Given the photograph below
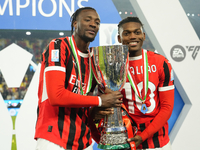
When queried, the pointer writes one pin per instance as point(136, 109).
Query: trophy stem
point(114, 133)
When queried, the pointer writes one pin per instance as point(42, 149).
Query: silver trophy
point(110, 69)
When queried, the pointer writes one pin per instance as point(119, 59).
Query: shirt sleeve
point(55, 75)
point(59, 96)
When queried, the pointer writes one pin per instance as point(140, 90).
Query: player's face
point(87, 25)
point(132, 34)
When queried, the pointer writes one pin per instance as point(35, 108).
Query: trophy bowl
point(109, 64)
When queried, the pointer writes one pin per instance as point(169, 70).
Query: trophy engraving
point(110, 69)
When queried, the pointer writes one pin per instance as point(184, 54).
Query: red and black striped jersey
point(62, 110)
point(152, 126)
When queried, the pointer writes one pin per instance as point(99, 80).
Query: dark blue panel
point(178, 106)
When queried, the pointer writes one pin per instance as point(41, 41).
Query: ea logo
point(178, 53)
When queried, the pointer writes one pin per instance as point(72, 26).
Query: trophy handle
point(97, 71)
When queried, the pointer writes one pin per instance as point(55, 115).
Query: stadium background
point(34, 33)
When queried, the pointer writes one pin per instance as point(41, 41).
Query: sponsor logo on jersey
point(76, 84)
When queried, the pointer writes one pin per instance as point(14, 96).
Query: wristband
point(100, 101)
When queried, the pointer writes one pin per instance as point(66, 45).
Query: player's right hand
point(111, 99)
point(137, 139)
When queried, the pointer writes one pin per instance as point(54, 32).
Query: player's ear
point(144, 36)
point(119, 39)
point(75, 24)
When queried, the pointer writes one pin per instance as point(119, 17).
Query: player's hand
point(100, 112)
point(111, 99)
point(107, 90)
point(137, 139)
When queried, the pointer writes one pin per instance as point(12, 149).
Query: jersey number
point(128, 92)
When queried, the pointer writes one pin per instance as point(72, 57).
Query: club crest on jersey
point(55, 55)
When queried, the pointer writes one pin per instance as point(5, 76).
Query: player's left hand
point(137, 139)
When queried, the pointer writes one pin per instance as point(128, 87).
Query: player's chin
point(89, 38)
point(132, 48)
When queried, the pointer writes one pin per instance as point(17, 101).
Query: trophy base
point(114, 138)
point(121, 146)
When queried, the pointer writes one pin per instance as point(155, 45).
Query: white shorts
point(166, 147)
point(43, 144)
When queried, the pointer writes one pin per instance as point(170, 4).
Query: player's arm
point(55, 57)
point(55, 74)
point(166, 97)
point(166, 107)
point(59, 96)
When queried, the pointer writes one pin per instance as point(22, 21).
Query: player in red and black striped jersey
point(149, 89)
point(65, 82)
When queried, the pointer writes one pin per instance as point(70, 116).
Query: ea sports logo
point(178, 53)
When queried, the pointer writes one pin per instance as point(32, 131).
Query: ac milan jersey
point(152, 126)
point(62, 111)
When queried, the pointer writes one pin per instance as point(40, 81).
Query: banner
point(50, 14)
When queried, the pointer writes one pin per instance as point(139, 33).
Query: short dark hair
point(75, 14)
point(129, 19)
